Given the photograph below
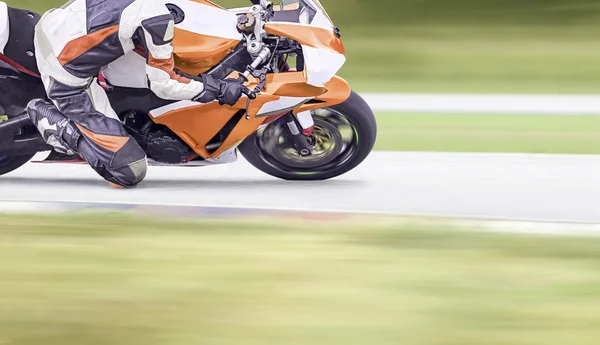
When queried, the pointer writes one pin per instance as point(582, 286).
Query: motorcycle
point(297, 119)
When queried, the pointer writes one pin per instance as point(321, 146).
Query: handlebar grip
point(246, 91)
point(242, 78)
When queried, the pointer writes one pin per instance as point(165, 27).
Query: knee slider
point(129, 164)
point(139, 170)
point(131, 175)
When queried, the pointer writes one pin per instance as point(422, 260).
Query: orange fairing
point(291, 84)
point(239, 133)
point(196, 54)
point(307, 35)
point(288, 7)
point(198, 124)
point(338, 91)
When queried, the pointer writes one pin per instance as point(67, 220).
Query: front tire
point(343, 137)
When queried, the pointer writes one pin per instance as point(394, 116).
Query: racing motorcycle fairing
point(323, 52)
point(205, 39)
point(211, 129)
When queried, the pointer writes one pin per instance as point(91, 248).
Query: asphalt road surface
point(553, 188)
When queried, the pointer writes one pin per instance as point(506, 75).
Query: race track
point(553, 188)
point(485, 103)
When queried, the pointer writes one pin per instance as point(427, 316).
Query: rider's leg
point(94, 131)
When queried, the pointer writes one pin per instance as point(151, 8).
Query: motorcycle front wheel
point(343, 136)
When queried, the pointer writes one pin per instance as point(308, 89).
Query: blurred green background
point(539, 46)
point(121, 280)
point(468, 46)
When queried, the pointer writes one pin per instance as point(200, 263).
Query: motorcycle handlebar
point(262, 56)
point(246, 91)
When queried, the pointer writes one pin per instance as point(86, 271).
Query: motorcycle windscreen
point(308, 12)
point(307, 22)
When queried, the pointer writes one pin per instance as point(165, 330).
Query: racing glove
point(227, 91)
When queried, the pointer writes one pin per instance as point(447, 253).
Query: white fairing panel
point(281, 104)
point(321, 64)
point(172, 106)
point(207, 20)
point(321, 21)
point(4, 26)
point(127, 71)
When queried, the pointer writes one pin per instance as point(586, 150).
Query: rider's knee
point(132, 164)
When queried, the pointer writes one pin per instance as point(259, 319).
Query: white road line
point(485, 103)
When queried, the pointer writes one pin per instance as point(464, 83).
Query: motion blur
point(483, 245)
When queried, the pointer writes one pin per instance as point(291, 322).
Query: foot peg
point(14, 124)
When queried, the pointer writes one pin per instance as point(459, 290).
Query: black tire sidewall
point(355, 109)
point(13, 163)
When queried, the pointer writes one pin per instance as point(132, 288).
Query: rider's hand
point(227, 91)
point(231, 91)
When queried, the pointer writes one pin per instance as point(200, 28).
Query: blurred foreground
point(118, 279)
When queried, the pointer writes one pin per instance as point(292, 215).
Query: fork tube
point(300, 141)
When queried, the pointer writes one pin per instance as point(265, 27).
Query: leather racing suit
point(73, 44)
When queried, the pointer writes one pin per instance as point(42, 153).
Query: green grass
point(119, 280)
point(489, 133)
point(460, 59)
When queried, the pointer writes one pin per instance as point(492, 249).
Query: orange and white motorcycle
point(297, 121)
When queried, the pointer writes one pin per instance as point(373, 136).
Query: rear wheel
point(9, 163)
point(343, 136)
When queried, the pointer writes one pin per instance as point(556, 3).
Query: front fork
point(300, 128)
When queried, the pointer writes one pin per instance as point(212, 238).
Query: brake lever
point(262, 75)
point(246, 91)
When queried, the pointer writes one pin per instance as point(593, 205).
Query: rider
point(72, 44)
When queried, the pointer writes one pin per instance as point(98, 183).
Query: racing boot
point(56, 129)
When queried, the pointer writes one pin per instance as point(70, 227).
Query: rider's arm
point(156, 32)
